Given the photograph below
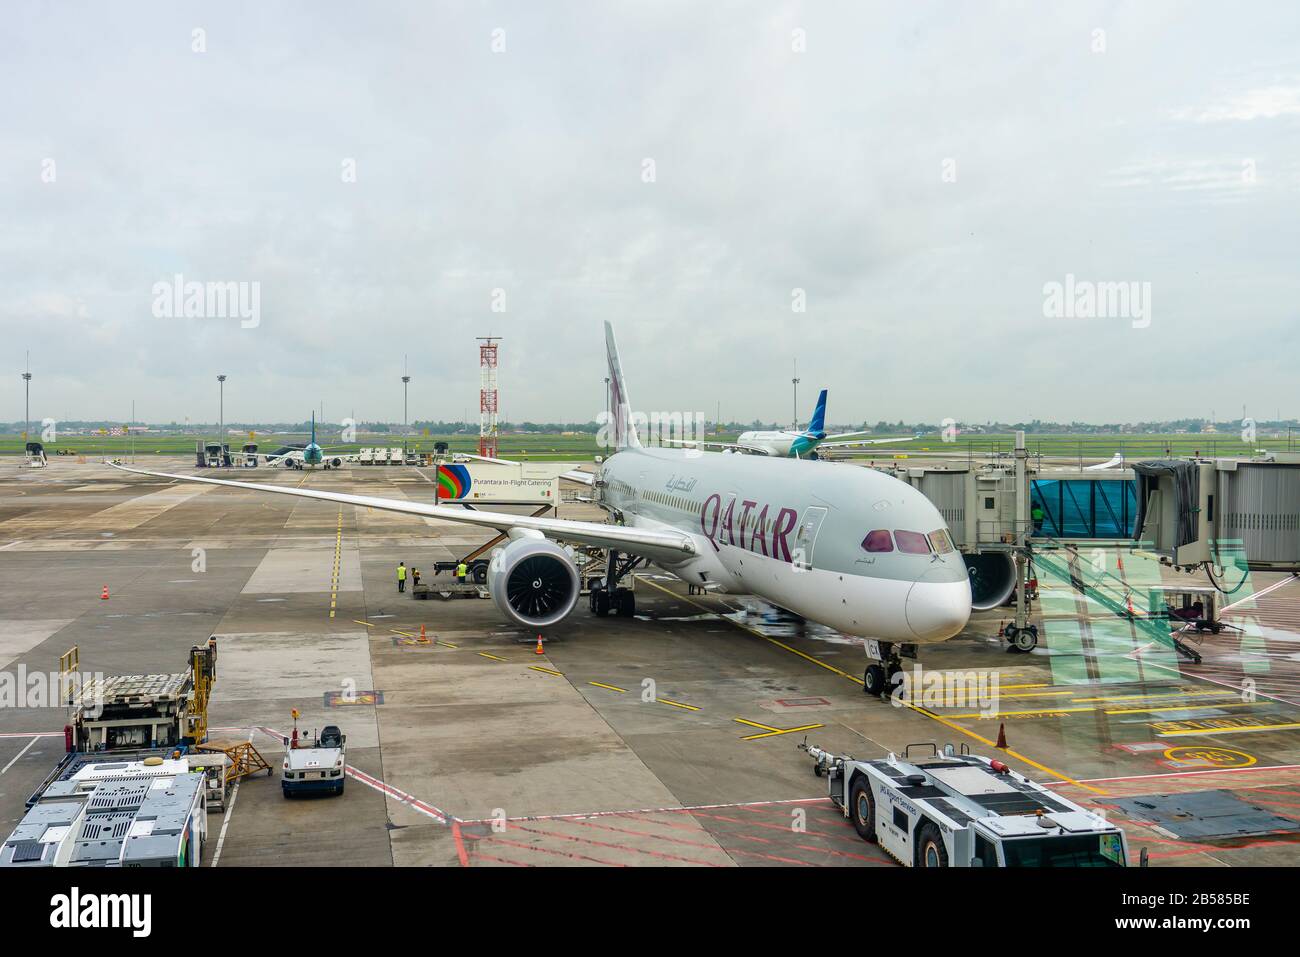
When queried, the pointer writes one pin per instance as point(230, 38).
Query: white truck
point(962, 810)
point(320, 767)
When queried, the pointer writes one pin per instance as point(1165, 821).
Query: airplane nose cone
point(938, 610)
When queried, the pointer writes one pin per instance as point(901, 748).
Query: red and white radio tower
point(487, 396)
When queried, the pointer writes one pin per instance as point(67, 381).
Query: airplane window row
point(909, 543)
point(749, 521)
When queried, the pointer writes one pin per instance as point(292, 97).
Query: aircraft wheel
point(873, 680)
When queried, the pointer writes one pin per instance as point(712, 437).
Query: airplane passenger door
point(806, 540)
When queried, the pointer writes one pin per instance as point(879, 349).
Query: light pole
point(406, 383)
point(27, 402)
point(221, 420)
point(795, 380)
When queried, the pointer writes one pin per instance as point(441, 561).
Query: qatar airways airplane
point(847, 547)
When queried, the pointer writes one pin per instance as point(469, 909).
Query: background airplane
point(310, 455)
point(791, 443)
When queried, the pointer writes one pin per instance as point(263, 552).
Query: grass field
point(583, 447)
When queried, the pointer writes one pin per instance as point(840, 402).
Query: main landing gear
point(881, 676)
point(608, 596)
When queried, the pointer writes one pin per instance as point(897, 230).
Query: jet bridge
point(1228, 515)
point(1221, 511)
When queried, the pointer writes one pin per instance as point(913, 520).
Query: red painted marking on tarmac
point(775, 827)
point(402, 796)
point(460, 845)
point(801, 702)
point(1212, 848)
point(728, 851)
point(829, 850)
point(685, 809)
point(1180, 774)
point(373, 782)
point(617, 847)
point(502, 860)
point(543, 850)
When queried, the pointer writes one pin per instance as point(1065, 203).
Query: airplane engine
point(992, 579)
point(336, 463)
point(533, 581)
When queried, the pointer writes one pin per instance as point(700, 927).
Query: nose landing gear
point(1021, 639)
point(881, 676)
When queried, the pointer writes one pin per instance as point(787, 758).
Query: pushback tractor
point(962, 810)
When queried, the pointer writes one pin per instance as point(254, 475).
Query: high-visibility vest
point(401, 573)
point(461, 569)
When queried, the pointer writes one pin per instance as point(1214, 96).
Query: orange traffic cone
point(1002, 628)
point(1002, 736)
point(539, 646)
point(422, 638)
point(104, 594)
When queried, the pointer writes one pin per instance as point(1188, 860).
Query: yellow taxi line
point(944, 721)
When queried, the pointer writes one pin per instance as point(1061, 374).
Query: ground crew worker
point(1036, 516)
point(401, 576)
point(461, 572)
point(415, 575)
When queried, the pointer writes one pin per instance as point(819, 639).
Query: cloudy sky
point(391, 174)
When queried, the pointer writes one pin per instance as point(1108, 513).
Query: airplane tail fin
point(818, 422)
point(313, 426)
point(622, 427)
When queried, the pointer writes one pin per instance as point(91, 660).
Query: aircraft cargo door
point(806, 540)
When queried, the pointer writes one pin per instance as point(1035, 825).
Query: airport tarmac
point(666, 739)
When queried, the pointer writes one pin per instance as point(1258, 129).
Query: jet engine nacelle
point(533, 581)
point(336, 463)
point(992, 579)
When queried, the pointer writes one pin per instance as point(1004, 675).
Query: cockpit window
point(912, 543)
point(878, 541)
point(941, 541)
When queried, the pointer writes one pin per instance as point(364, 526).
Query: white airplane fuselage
point(793, 533)
point(779, 444)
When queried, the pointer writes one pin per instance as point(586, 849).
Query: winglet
point(620, 406)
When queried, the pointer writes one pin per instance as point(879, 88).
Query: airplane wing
point(705, 443)
point(655, 545)
point(586, 478)
point(846, 435)
point(835, 445)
